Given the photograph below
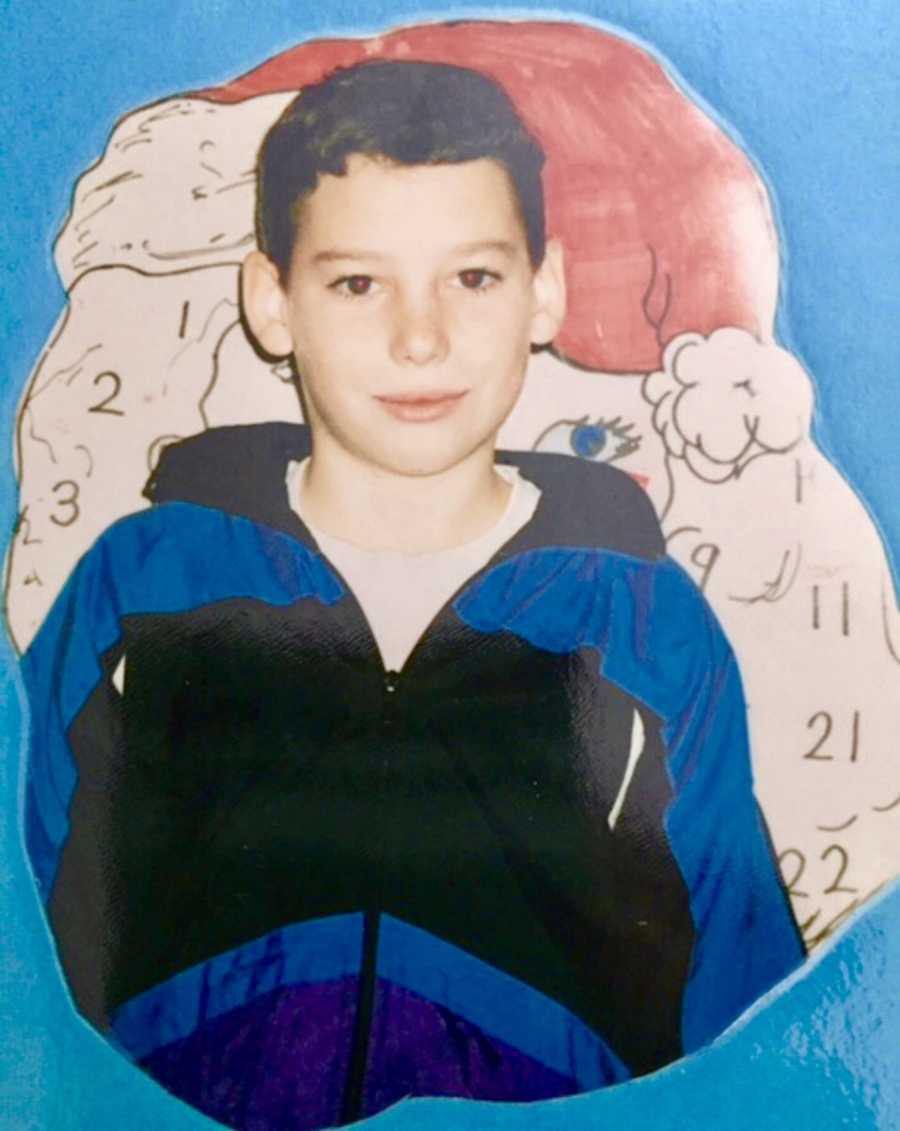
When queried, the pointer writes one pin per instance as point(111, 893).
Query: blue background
point(812, 88)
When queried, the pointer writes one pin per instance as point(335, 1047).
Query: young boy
point(393, 765)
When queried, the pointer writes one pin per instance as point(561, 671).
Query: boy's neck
point(376, 509)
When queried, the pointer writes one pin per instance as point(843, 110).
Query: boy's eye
point(477, 278)
point(353, 285)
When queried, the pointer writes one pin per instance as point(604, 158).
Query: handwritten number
point(23, 524)
point(103, 406)
point(791, 883)
point(824, 719)
point(844, 861)
point(807, 924)
point(711, 553)
point(793, 875)
point(823, 738)
point(67, 502)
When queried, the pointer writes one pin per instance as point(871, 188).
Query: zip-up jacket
point(295, 887)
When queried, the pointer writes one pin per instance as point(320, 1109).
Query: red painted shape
point(665, 223)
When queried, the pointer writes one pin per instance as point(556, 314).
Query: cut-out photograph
point(453, 668)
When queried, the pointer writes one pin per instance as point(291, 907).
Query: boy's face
point(410, 310)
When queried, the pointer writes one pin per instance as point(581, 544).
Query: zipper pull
point(389, 704)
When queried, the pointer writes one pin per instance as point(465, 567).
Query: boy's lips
point(419, 407)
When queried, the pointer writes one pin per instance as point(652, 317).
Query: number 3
point(67, 502)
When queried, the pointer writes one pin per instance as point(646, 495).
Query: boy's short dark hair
point(408, 113)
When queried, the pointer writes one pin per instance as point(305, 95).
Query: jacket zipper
point(352, 1102)
point(351, 1109)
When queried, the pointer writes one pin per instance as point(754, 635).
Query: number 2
point(103, 406)
point(844, 861)
point(798, 872)
point(823, 738)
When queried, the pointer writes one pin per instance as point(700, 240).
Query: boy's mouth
point(421, 407)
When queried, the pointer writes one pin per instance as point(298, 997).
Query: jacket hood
point(240, 469)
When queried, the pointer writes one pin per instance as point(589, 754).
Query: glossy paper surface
point(811, 101)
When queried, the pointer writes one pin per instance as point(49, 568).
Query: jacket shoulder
point(590, 504)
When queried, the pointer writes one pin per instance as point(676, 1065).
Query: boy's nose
point(419, 336)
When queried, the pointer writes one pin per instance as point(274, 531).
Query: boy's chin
point(417, 467)
point(427, 457)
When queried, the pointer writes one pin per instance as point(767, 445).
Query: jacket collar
point(241, 470)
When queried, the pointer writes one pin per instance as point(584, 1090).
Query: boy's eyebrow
point(333, 255)
point(505, 247)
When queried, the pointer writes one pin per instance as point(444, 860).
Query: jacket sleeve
point(664, 644)
point(67, 676)
point(62, 668)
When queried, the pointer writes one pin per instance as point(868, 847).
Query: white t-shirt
point(401, 593)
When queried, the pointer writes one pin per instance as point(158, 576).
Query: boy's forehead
point(378, 203)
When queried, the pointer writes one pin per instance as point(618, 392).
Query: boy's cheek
point(495, 336)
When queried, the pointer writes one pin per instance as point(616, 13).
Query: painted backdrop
point(805, 112)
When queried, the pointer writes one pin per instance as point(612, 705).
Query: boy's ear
point(265, 304)
point(549, 295)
